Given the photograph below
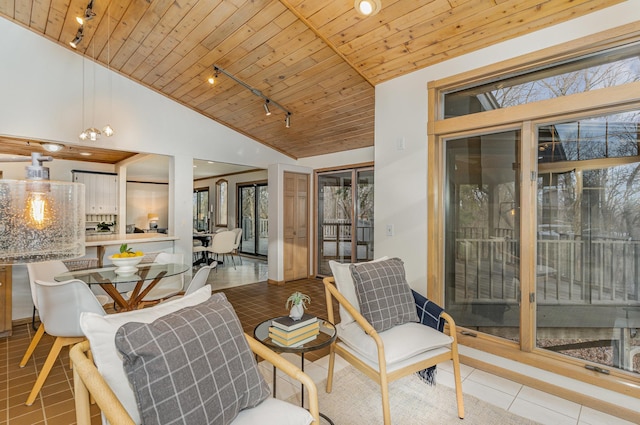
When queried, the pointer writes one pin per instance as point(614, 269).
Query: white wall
point(41, 86)
point(401, 115)
point(145, 198)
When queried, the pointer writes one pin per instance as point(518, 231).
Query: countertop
point(111, 239)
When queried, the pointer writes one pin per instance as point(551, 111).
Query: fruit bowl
point(126, 265)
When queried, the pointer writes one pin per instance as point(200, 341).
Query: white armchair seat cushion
point(400, 342)
point(274, 412)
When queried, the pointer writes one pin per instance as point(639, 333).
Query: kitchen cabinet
point(101, 192)
point(5, 300)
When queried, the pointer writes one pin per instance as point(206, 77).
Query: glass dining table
point(108, 279)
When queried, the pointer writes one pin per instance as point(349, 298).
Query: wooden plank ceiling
point(318, 59)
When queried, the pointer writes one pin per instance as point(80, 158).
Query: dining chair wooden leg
point(32, 345)
point(48, 365)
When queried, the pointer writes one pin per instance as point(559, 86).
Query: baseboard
point(275, 282)
point(23, 321)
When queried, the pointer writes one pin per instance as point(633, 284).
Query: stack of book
point(287, 332)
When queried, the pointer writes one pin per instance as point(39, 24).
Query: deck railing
point(568, 271)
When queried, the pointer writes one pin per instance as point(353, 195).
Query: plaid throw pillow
point(193, 366)
point(383, 293)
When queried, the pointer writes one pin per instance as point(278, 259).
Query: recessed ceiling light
point(367, 7)
point(85, 153)
point(52, 147)
point(210, 162)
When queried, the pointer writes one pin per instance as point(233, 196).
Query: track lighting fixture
point(74, 43)
point(255, 91)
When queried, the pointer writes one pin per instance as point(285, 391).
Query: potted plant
point(297, 302)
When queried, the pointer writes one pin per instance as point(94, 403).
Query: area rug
point(355, 400)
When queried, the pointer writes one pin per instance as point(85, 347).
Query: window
point(610, 68)
point(222, 187)
point(533, 244)
point(201, 209)
point(345, 226)
point(253, 218)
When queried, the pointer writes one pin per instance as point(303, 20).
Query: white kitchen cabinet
point(101, 192)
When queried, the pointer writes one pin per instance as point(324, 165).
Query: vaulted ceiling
point(319, 59)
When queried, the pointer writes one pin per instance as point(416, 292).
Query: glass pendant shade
point(108, 131)
point(41, 220)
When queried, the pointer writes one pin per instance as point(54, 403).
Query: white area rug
point(355, 400)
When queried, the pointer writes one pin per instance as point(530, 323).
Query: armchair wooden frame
point(381, 376)
point(90, 385)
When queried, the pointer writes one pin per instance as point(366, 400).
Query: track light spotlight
point(74, 43)
point(287, 120)
point(89, 14)
point(266, 107)
point(212, 80)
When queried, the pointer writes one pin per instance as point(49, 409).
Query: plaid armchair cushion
point(193, 366)
point(383, 293)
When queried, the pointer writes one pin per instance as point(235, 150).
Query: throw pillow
point(193, 366)
point(344, 282)
point(100, 330)
point(383, 293)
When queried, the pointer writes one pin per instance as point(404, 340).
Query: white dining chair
point(45, 271)
point(236, 243)
point(60, 305)
point(222, 244)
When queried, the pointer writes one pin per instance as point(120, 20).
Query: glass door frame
point(256, 223)
point(354, 170)
point(526, 350)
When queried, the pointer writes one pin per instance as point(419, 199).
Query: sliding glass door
point(253, 218)
point(588, 261)
point(482, 259)
point(344, 226)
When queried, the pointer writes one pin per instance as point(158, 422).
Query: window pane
point(588, 279)
point(482, 259)
point(334, 219)
point(364, 226)
point(221, 202)
point(611, 136)
point(201, 209)
point(606, 69)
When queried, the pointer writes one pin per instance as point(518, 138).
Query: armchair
point(388, 355)
point(142, 375)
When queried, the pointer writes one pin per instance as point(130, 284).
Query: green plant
point(125, 248)
point(298, 298)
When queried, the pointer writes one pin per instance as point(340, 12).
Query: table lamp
point(40, 220)
point(153, 220)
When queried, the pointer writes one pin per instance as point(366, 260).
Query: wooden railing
point(568, 271)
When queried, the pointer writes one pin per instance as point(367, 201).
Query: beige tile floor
point(254, 303)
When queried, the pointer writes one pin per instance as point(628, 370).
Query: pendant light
point(41, 219)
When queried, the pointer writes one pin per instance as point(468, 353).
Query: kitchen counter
point(117, 239)
point(103, 241)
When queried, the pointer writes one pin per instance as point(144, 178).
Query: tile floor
point(254, 303)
